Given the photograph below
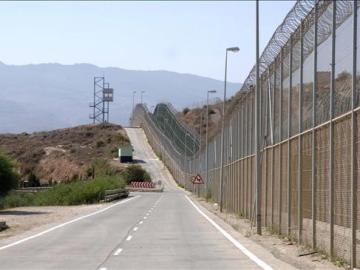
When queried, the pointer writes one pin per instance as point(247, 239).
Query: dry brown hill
point(63, 154)
point(195, 118)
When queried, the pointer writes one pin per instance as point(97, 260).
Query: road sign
point(197, 179)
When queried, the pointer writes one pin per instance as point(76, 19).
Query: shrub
point(79, 192)
point(8, 174)
point(185, 111)
point(101, 167)
point(136, 173)
point(100, 144)
point(33, 180)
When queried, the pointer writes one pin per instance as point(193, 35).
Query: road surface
point(147, 231)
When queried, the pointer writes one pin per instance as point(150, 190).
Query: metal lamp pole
point(133, 106)
point(185, 165)
point(141, 96)
point(234, 50)
point(207, 138)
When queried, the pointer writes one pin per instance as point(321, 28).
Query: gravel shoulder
point(281, 248)
point(25, 221)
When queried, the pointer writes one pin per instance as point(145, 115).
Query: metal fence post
point(300, 225)
point(280, 137)
point(313, 144)
point(289, 135)
point(257, 133)
point(353, 144)
point(273, 150)
point(331, 133)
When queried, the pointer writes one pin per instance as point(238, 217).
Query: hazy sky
point(187, 37)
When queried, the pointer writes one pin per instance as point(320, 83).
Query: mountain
point(48, 96)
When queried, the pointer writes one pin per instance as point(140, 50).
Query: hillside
point(51, 96)
point(63, 154)
point(196, 117)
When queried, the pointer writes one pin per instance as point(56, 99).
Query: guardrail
point(32, 189)
point(115, 194)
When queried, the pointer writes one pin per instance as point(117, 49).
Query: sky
point(185, 37)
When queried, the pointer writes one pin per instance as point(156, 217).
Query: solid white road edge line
point(236, 243)
point(66, 223)
point(118, 251)
point(129, 238)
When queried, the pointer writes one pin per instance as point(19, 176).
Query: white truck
point(126, 153)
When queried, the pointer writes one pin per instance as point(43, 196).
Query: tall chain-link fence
point(309, 119)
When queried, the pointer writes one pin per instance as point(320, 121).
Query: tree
point(136, 173)
point(8, 174)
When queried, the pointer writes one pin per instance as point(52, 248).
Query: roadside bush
point(101, 167)
point(185, 111)
point(100, 144)
point(33, 180)
point(80, 192)
point(74, 193)
point(8, 174)
point(136, 173)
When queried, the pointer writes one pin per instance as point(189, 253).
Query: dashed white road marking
point(129, 238)
point(236, 243)
point(118, 251)
point(135, 229)
point(67, 223)
point(141, 222)
point(147, 214)
point(145, 217)
point(102, 268)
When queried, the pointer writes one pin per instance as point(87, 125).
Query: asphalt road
point(147, 231)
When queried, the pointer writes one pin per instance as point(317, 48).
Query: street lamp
point(141, 96)
point(133, 106)
point(234, 50)
point(207, 138)
point(185, 165)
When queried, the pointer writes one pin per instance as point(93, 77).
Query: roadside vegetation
point(136, 173)
point(102, 177)
point(8, 174)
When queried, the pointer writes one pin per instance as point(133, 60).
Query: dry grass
point(64, 154)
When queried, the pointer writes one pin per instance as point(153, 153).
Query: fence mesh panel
point(285, 139)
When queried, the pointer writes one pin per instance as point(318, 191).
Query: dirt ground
point(281, 248)
point(29, 219)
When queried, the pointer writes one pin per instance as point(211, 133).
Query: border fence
point(309, 126)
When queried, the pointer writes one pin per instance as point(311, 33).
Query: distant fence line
point(310, 122)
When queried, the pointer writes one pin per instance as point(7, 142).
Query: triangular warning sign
point(197, 179)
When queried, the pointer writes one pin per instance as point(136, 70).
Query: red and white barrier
point(136, 184)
